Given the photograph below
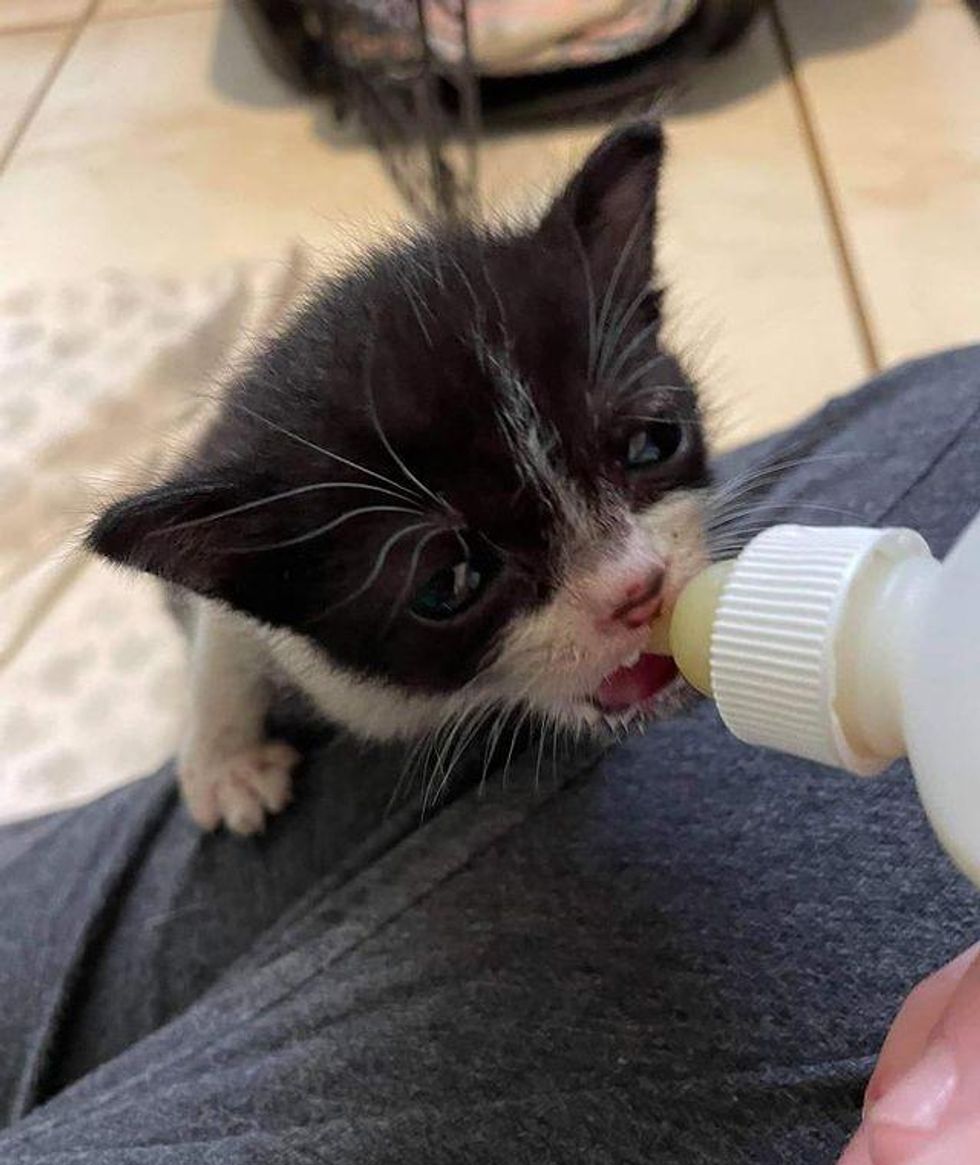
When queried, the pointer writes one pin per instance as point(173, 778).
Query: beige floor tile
point(107, 666)
point(25, 60)
point(756, 290)
point(23, 14)
point(111, 8)
point(899, 124)
point(166, 145)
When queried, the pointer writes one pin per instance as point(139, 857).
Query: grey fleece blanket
point(673, 950)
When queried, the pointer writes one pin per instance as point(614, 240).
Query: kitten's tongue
point(627, 686)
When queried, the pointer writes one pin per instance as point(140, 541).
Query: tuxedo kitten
point(453, 492)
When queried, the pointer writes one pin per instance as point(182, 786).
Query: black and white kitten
point(457, 487)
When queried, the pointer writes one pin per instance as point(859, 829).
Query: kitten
point(459, 485)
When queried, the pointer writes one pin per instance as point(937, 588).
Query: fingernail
point(918, 1099)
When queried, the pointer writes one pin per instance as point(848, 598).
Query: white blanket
point(99, 384)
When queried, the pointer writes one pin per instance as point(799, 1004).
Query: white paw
point(239, 790)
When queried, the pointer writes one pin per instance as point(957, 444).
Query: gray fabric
point(677, 950)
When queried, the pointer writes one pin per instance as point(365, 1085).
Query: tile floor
point(821, 207)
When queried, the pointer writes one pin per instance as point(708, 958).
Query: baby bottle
point(852, 647)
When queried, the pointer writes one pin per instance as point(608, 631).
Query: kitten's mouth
point(635, 686)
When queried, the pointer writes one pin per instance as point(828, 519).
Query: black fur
point(400, 350)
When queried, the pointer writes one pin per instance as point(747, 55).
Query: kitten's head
point(466, 476)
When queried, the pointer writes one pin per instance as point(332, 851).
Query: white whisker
point(376, 422)
point(688, 421)
point(730, 517)
point(412, 570)
point(640, 340)
point(464, 741)
point(611, 339)
point(590, 302)
point(556, 728)
point(493, 737)
point(414, 299)
point(280, 497)
point(608, 300)
point(467, 283)
point(379, 564)
point(643, 370)
point(513, 743)
point(537, 766)
point(311, 534)
point(320, 449)
point(749, 479)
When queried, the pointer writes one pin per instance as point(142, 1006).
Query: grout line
point(828, 195)
point(53, 25)
point(71, 569)
point(37, 99)
point(173, 8)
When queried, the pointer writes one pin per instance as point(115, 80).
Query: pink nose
point(641, 599)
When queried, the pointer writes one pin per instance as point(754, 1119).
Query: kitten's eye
point(453, 589)
point(652, 445)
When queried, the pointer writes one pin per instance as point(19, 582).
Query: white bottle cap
point(773, 645)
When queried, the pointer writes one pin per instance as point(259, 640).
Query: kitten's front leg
point(228, 771)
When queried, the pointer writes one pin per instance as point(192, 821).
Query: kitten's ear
point(184, 531)
point(611, 205)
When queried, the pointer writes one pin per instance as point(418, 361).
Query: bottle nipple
point(801, 641)
point(685, 633)
point(848, 646)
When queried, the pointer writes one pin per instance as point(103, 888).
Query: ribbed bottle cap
point(773, 667)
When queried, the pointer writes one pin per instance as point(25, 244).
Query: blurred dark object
point(292, 38)
point(421, 96)
point(422, 111)
point(722, 22)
